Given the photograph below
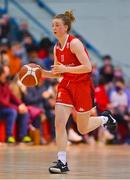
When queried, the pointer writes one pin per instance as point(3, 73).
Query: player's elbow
point(88, 68)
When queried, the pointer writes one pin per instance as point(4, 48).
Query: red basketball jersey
point(66, 57)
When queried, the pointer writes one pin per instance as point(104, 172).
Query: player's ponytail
point(69, 14)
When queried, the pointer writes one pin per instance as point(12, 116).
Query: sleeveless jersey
point(66, 57)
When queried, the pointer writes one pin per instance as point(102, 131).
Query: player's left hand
point(59, 68)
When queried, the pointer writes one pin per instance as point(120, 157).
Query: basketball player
point(71, 60)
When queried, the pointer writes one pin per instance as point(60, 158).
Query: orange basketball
point(30, 74)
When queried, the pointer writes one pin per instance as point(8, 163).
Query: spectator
point(107, 69)
point(118, 73)
point(15, 62)
point(95, 74)
point(119, 102)
point(32, 55)
point(118, 96)
point(11, 108)
point(127, 90)
point(36, 114)
point(44, 48)
point(23, 31)
point(5, 27)
point(101, 96)
point(4, 47)
point(34, 97)
point(48, 61)
point(27, 42)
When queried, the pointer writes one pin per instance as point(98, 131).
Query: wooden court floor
point(85, 162)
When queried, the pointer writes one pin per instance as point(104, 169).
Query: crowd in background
point(27, 109)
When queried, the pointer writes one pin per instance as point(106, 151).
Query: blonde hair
point(68, 18)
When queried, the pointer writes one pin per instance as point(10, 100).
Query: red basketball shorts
point(79, 95)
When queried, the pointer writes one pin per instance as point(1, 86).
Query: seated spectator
point(5, 27)
point(34, 100)
point(44, 48)
point(4, 47)
point(101, 96)
point(12, 109)
point(95, 74)
point(27, 42)
point(36, 114)
point(119, 102)
point(15, 62)
point(32, 55)
point(127, 90)
point(118, 73)
point(118, 96)
point(20, 52)
point(48, 62)
point(23, 30)
point(106, 70)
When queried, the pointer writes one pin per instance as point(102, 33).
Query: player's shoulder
point(75, 43)
point(74, 40)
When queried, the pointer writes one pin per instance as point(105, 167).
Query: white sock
point(62, 156)
point(104, 119)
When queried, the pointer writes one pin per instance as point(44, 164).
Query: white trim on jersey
point(64, 43)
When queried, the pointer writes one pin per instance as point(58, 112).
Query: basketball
point(30, 74)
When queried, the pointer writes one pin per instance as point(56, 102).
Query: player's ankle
point(62, 156)
point(104, 120)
